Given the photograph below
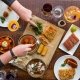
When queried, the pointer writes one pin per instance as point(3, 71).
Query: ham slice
point(71, 42)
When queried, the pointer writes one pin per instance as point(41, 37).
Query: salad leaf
point(38, 30)
point(64, 64)
point(2, 19)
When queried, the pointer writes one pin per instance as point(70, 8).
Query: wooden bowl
point(33, 68)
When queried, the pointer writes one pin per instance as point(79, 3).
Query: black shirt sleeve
point(1, 64)
point(8, 2)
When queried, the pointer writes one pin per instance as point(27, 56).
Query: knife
point(33, 23)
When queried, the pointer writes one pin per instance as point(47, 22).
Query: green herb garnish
point(2, 19)
point(63, 64)
point(38, 30)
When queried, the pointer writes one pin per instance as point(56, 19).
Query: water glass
point(57, 12)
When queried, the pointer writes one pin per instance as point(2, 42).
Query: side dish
point(71, 14)
point(36, 68)
point(37, 30)
point(66, 74)
point(28, 39)
point(71, 62)
point(6, 43)
point(13, 25)
point(71, 42)
point(48, 35)
point(42, 50)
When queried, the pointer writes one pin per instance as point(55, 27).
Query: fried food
point(71, 14)
point(71, 42)
point(44, 51)
point(66, 74)
point(44, 40)
point(71, 62)
point(40, 48)
point(49, 33)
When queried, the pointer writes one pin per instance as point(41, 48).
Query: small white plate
point(12, 14)
point(77, 33)
point(61, 60)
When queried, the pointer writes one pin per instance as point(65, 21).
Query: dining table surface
point(36, 7)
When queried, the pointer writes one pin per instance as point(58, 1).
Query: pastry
point(40, 48)
point(43, 40)
point(49, 33)
point(44, 51)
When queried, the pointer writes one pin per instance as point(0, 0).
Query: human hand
point(25, 14)
point(21, 50)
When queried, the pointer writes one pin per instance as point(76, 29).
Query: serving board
point(51, 47)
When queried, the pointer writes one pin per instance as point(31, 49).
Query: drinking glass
point(46, 9)
point(57, 12)
point(11, 75)
point(2, 75)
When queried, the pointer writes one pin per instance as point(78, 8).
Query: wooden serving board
point(51, 47)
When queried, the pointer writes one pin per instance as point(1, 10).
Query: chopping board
point(51, 47)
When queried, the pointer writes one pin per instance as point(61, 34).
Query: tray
point(51, 47)
point(77, 33)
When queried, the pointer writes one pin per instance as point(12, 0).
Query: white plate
point(77, 33)
point(12, 14)
point(61, 60)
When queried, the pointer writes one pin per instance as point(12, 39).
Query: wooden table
point(35, 6)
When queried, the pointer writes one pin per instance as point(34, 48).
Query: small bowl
point(6, 43)
point(62, 23)
point(36, 68)
point(29, 39)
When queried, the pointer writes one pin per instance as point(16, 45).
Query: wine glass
point(46, 9)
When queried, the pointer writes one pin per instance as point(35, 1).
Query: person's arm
point(18, 51)
point(23, 12)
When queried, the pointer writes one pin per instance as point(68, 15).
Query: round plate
point(61, 60)
point(71, 11)
point(12, 14)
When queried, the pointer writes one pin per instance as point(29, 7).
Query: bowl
point(29, 39)
point(36, 68)
point(6, 43)
point(71, 14)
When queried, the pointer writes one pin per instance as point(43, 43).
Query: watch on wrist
point(12, 54)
